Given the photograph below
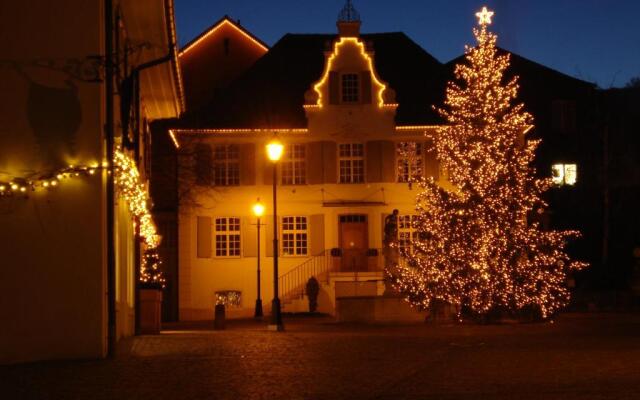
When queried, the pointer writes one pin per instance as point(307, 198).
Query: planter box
point(150, 311)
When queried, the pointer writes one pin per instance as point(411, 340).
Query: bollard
point(219, 320)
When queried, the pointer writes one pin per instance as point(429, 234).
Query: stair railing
point(292, 284)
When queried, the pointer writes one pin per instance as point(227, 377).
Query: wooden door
point(353, 242)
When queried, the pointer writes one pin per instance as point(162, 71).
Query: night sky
point(594, 40)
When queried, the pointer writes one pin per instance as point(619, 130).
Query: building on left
point(80, 83)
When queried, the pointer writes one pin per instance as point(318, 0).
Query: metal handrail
point(292, 284)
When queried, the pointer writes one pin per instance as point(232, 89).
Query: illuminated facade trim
point(224, 22)
point(174, 139)
point(336, 48)
point(239, 130)
point(415, 127)
point(178, 71)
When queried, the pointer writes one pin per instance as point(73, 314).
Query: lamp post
point(258, 211)
point(274, 152)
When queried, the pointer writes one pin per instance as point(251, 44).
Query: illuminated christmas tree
point(477, 247)
point(151, 275)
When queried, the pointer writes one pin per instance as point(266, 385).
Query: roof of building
point(271, 92)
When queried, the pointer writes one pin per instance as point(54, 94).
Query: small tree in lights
point(151, 275)
point(476, 248)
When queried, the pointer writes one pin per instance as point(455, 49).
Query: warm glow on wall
point(346, 41)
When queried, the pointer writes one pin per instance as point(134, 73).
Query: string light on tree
point(476, 247)
point(150, 273)
point(134, 192)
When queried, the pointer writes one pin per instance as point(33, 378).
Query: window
point(294, 236)
point(350, 88)
point(293, 165)
point(229, 298)
point(351, 156)
point(564, 174)
point(409, 161)
point(227, 236)
point(406, 232)
point(226, 165)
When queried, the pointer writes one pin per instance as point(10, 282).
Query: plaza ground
point(579, 356)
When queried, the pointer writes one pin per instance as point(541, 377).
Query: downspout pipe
point(136, 84)
point(109, 136)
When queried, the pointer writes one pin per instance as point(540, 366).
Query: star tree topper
point(484, 16)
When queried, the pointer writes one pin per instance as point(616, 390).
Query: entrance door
point(353, 242)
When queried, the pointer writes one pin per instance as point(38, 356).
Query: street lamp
point(274, 152)
point(258, 211)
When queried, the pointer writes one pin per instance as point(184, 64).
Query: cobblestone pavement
point(594, 356)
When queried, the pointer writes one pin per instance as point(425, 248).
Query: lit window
point(406, 232)
point(226, 165)
point(229, 298)
point(294, 236)
point(564, 174)
point(351, 157)
point(350, 89)
point(409, 161)
point(227, 236)
point(293, 165)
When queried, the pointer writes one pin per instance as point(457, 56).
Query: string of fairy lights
point(129, 185)
point(478, 247)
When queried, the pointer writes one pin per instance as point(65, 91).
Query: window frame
point(292, 160)
point(404, 229)
point(230, 166)
point(420, 162)
point(227, 233)
point(294, 232)
point(355, 89)
point(351, 159)
point(561, 180)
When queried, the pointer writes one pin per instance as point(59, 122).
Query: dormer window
point(350, 88)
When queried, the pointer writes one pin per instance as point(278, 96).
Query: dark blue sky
point(595, 40)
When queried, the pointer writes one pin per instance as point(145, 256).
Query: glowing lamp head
point(275, 150)
point(258, 209)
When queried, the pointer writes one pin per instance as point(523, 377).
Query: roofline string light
point(336, 48)
point(23, 186)
point(174, 133)
point(214, 29)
